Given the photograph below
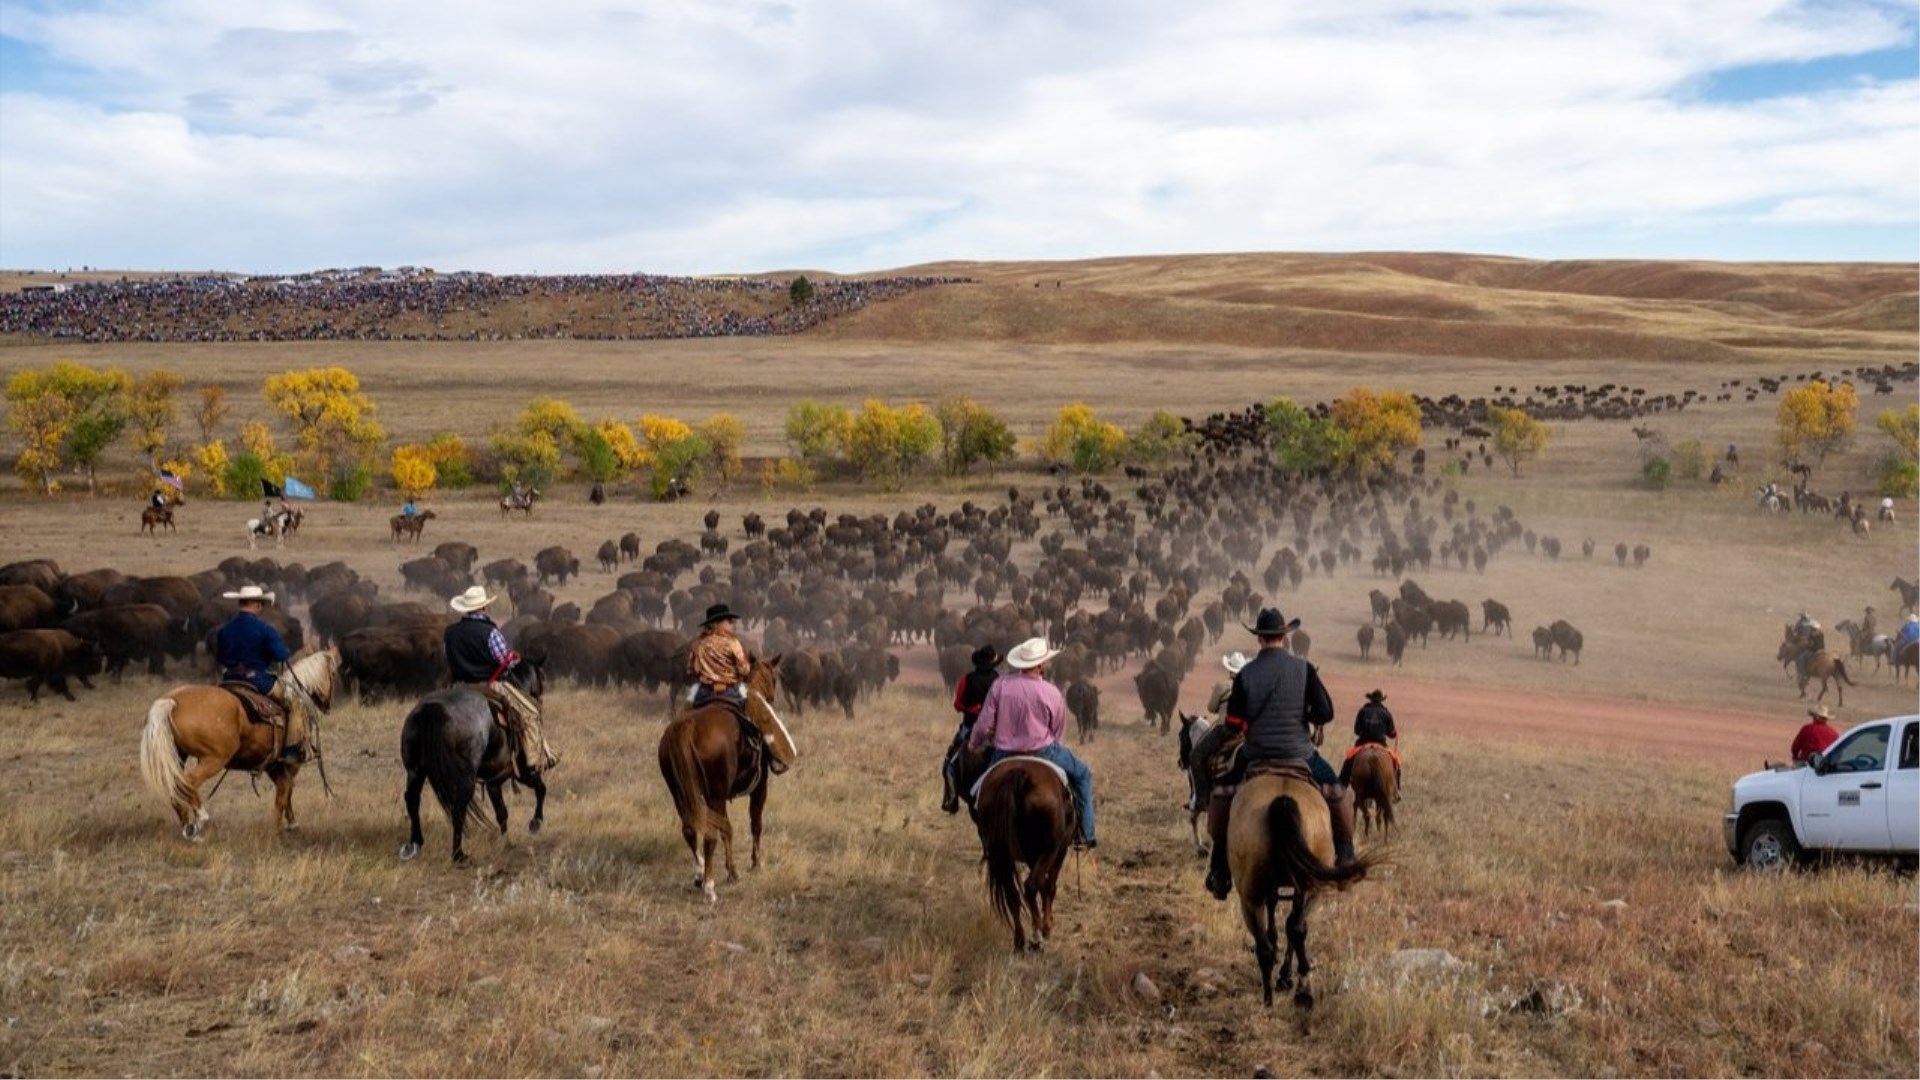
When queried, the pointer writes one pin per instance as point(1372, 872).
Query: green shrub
point(350, 483)
point(243, 474)
point(1899, 478)
point(1657, 472)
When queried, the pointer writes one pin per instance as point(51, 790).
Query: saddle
point(753, 751)
point(260, 708)
point(1073, 805)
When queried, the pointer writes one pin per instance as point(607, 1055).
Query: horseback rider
point(1217, 701)
point(1908, 635)
point(479, 655)
point(408, 509)
point(1025, 714)
point(1274, 700)
point(1373, 726)
point(968, 695)
point(247, 648)
point(718, 664)
point(1217, 735)
point(158, 500)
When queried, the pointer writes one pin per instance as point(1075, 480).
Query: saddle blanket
point(974, 794)
point(1391, 752)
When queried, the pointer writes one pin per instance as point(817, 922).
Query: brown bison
point(1567, 640)
point(1496, 616)
point(49, 658)
point(1083, 701)
point(23, 607)
point(556, 562)
point(130, 632)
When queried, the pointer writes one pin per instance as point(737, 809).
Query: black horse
point(450, 740)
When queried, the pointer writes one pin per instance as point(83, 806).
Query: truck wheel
point(1769, 846)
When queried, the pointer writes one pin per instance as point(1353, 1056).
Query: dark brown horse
point(1906, 661)
point(1280, 845)
point(1024, 814)
point(707, 760)
point(410, 525)
point(1375, 788)
point(153, 517)
point(210, 726)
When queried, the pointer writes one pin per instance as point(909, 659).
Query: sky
point(689, 136)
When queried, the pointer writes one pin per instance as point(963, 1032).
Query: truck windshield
point(1860, 751)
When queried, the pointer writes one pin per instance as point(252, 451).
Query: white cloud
point(855, 134)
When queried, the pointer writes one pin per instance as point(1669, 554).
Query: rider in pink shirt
point(1025, 714)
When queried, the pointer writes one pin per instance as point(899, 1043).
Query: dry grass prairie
point(1538, 793)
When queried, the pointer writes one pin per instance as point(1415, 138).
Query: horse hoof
point(707, 890)
point(190, 831)
point(409, 851)
point(1303, 999)
point(533, 827)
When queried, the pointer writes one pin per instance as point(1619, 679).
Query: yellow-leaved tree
point(886, 444)
point(626, 448)
point(413, 469)
point(1816, 419)
point(332, 419)
point(1900, 468)
point(39, 415)
point(212, 458)
point(1379, 424)
point(1517, 437)
point(1079, 438)
point(724, 434)
point(150, 406)
point(66, 413)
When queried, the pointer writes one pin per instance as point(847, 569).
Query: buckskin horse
point(706, 759)
point(211, 726)
point(451, 742)
point(1280, 846)
point(1025, 815)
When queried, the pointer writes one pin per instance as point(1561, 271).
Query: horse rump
point(1296, 862)
point(426, 749)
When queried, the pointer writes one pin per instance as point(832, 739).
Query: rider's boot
point(1219, 871)
point(1341, 809)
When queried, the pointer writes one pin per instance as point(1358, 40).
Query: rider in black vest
point(1373, 726)
point(1275, 698)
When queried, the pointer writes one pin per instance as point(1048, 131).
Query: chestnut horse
point(1280, 846)
point(1025, 815)
point(210, 726)
point(153, 517)
point(1375, 788)
point(706, 760)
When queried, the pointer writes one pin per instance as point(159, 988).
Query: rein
point(306, 699)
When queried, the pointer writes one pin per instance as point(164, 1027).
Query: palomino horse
point(210, 726)
point(1025, 815)
point(1280, 845)
point(1375, 788)
point(450, 741)
point(707, 760)
point(1820, 664)
point(153, 517)
point(410, 525)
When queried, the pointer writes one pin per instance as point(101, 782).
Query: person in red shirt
point(1815, 735)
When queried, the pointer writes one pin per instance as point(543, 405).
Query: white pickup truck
point(1862, 795)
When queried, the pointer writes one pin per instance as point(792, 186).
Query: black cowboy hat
point(986, 656)
point(1377, 696)
point(1270, 623)
point(718, 613)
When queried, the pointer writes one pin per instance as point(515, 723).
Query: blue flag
point(295, 489)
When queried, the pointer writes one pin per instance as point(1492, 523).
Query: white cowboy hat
point(1813, 624)
point(1030, 653)
point(472, 600)
point(1233, 662)
point(1913, 618)
point(249, 592)
point(1820, 711)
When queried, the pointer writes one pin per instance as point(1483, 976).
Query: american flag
point(172, 480)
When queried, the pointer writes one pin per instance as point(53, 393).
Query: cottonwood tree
point(1517, 437)
point(331, 418)
point(1816, 419)
point(1380, 424)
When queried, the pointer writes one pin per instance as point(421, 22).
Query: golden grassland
point(865, 946)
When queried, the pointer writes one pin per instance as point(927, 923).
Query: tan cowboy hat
point(253, 593)
point(472, 600)
point(1820, 712)
point(1233, 662)
point(1813, 624)
point(1913, 618)
point(1030, 653)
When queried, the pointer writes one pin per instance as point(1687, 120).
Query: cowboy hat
point(474, 599)
point(1820, 712)
point(986, 656)
point(1233, 662)
point(1030, 653)
point(1271, 624)
point(719, 613)
point(1913, 618)
point(1378, 697)
point(1813, 624)
point(249, 593)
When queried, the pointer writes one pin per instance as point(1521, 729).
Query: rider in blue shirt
point(1909, 633)
point(248, 646)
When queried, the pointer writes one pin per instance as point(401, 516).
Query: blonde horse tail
point(160, 758)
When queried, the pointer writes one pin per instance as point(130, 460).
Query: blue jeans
point(1322, 772)
point(1079, 778)
point(702, 693)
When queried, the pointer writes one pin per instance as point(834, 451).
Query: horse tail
point(1840, 671)
point(160, 758)
point(423, 746)
point(687, 779)
point(999, 835)
point(1297, 862)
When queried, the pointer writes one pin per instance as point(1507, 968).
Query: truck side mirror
point(1818, 762)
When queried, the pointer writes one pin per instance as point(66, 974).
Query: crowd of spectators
point(375, 306)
